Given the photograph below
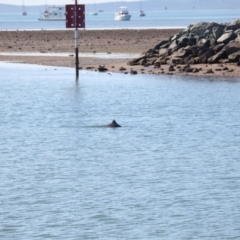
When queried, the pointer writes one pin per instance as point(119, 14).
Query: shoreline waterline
point(81, 55)
point(110, 48)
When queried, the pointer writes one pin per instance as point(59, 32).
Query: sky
point(55, 2)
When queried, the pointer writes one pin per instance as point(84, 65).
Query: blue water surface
point(105, 20)
point(170, 172)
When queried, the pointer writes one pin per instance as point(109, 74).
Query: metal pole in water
point(76, 42)
point(76, 53)
point(75, 18)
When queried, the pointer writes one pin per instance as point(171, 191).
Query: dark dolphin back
point(113, 124)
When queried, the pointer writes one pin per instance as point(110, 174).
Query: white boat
point(55, 13)
point(94, 12)
point(24, 13)
point(122, 14)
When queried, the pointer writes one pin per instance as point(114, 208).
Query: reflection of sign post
point(75, 18)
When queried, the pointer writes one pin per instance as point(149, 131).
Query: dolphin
point(114, 124)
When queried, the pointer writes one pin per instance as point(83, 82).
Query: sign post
point(75, 18)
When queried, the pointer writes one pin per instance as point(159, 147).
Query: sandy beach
point(110, 43)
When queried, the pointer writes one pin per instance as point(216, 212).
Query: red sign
point(75, 16)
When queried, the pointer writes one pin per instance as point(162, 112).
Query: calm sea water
point(171, 172)
point(105, 20)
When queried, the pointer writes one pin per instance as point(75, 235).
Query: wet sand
point(97, 41)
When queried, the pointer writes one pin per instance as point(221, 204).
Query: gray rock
point(102, 69)
point(209, 71)
point(135, 61)
point(183, 39)
point(182, 45)
point(122, 69)
point(194, 50)
point(188, 60)
point(171, 68)
point(180, 53)
point(173, 47)
point(161, 44)
point(217, 32)
point(234, 25)
point(215, 58)
point(202, 51)
point(133, 72)
point(204, 58)
point(224, 60)
point(175, 37)
point(189, 69)
point(207, 33)
point(226, 37)
point(142, 62)
point(175, 61)
point(237, 32)
point(201, 27)
point(232, 47)
point(203, 43)
point(162, 52)
point(218, 47)
point(165, 45)
point(195, 70)
point(151, 61)
point(157, 63)
point(237, 39)
point(234, 57)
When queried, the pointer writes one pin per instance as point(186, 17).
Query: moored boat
point(142, 14)
point(122, 14)
point(55, 13)
point(93, 13)
point(24, 13)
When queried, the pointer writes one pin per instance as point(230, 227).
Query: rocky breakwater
point(201, 43)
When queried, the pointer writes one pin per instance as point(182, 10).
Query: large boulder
point(202, 51)
point(194, 50)
point(173, 47)
point(232, 47)
point(234, 57)
point(203, 43)
point(215, 58)
point(183, 39)
point(163, 52)
point(181, 53)
point(188, 60)
point(237, 32)
point(162, 43)
point(234, 25)
point(218, 47)
point(204, 57)
point(201, 27)
point(217, 32)
point(136, 61)
point(227, 37)
point(237, 39)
